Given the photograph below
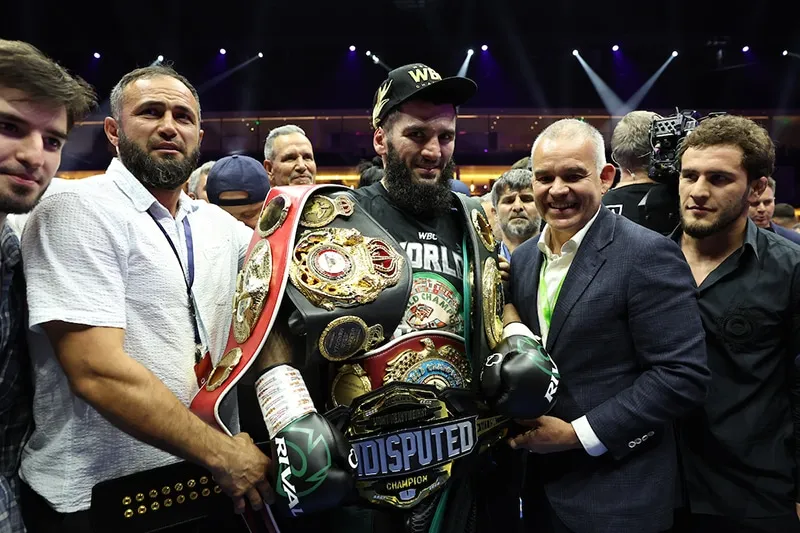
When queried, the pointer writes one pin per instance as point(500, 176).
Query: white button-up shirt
point(93, 255)
point(554, 270)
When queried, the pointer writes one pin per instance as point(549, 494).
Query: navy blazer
point(786, 233)
point(630, 347)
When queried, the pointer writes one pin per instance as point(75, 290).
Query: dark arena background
point(261, 64)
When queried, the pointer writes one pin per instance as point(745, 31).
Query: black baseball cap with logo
point(419, 82)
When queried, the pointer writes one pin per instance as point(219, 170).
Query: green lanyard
point(547, 304)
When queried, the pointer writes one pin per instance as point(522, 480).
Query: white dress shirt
point(555, 267)
point(93, 255)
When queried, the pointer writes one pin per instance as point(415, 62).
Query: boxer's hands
point(240, 470)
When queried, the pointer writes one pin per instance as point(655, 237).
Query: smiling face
point(714, 190)
point(158, 135)
point(416, 144)
point(566, 186)
point(292, 161)
point(32, 135)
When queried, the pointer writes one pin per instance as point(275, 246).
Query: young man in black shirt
point(740, 451)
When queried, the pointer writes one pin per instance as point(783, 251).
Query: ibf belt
point(408, 436)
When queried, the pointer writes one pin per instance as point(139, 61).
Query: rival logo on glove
point(291, 491)
point(295, 486)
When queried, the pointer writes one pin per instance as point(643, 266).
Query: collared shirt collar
point(571, 245)
point(9, 246)
point(139, 196)
point(750, 236)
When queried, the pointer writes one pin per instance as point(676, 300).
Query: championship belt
point(411, 416)
point(485, 325)
point(350, 280)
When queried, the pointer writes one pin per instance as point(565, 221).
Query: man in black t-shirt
point(630, 150)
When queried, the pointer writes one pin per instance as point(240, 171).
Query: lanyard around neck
point(187, 230)
point(548, 305)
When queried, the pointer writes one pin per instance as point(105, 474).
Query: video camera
point(659, 210)
point(665, 136)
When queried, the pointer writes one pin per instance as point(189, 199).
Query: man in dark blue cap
point(239, 185)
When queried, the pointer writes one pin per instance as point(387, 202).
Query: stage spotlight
point(785, 53)
point(352, 48)
point(160, 58)
point(470, 52)
point(97, 55)
point(674, 53)
point(615, 48)
point(485, 47)
point(575, 52)
point(369, 53)
point(745, 48)
point(375, 59)
point(222, 51)
point(260, 54)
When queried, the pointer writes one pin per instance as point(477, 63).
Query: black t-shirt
point(434, 248)
point(625, 200)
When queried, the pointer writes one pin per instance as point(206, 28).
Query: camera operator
point(630, 150)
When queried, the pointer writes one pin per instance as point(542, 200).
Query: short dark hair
point(152, 71)
point(784, 211)
point(370, 172)
point(758, 150)
point(25, 68)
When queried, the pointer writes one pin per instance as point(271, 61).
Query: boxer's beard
point(418, 199)
point(166, 174)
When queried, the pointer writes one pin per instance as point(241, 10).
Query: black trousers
point(686, 522)
point(39, 517)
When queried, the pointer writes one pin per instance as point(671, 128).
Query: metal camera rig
point(659, 210)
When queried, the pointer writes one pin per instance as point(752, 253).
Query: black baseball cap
point(418, 81)
point(237, 173)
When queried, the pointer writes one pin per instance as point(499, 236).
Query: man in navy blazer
point(615, 306)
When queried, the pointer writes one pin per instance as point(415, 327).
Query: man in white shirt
point(616, 309)
point(131, 282)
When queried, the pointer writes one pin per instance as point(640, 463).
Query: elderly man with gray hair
point(197, 182)
point(289, 157)
point(512, 199)
point(630, 150)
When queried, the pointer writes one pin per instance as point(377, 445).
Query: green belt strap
point(466, 299)
point(438, 517)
